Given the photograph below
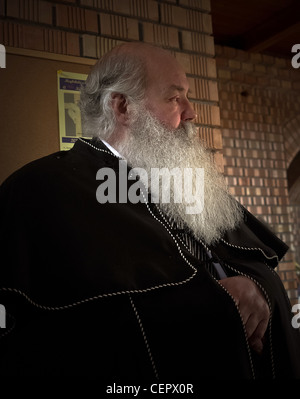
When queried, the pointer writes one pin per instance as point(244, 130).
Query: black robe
point(117, 292)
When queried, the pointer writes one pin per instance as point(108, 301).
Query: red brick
point(61, 42)
point(261, 69)
point(33, 37)
point(146, 9)
point(217, 139)
point(250, 79)
point(173, 15)
point(72, 40)
point(218, 159)
point(285, 84)
point(104, 45)
point(13, 9)
point(122, 7)
point(234, 64)
point(280, 62)
point(91, 3)
point(76, 18)
point(37, 11)
point(197, 4)
point(91, 21)
point(45, 12)
point(198, 42)
point(180, 17)
point(117, 26)
point(62, 15)
point(89, 44)
point(160, 35)
point(184, 60)
point(207, 23)
point(234, 171)
point(224, 74)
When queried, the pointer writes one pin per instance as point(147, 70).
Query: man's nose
point(188, 113)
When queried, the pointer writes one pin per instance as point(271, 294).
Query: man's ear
point(119, 105)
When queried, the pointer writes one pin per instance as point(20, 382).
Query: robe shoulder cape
point(110, 289)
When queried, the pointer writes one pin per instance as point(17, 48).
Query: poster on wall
point(70, 129)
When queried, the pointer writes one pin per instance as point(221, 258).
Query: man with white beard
point(152, 146)
point(143, 290)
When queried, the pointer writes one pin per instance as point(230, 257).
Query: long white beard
point(150, 145)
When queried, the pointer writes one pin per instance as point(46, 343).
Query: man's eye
point(174, 99)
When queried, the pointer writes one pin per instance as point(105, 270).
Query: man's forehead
point(180, 88)
point(164, 71)
point(158, 58)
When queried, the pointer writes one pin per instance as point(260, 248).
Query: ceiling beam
point(274, 29)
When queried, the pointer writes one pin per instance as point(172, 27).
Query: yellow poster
point(69, 85)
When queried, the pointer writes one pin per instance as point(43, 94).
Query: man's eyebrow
point(178, 88)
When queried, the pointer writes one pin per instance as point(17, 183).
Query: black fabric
point(112, 290)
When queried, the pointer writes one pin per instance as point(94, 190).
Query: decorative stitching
point(226, 242)
point(238, 310)
point(278, 278)
point(119, 292)
point(271, 314)
point(8, 330)
point(243, 326)
point(145, 337)
point(98, 149)
point(111, 294)
point(198, 239)
point(251, 249)
point(137, 291)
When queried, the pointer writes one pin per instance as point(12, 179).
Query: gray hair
point(114, 73)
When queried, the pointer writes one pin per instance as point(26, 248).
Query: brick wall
point(89, 28)
point(260, 107)
point(257, 94)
